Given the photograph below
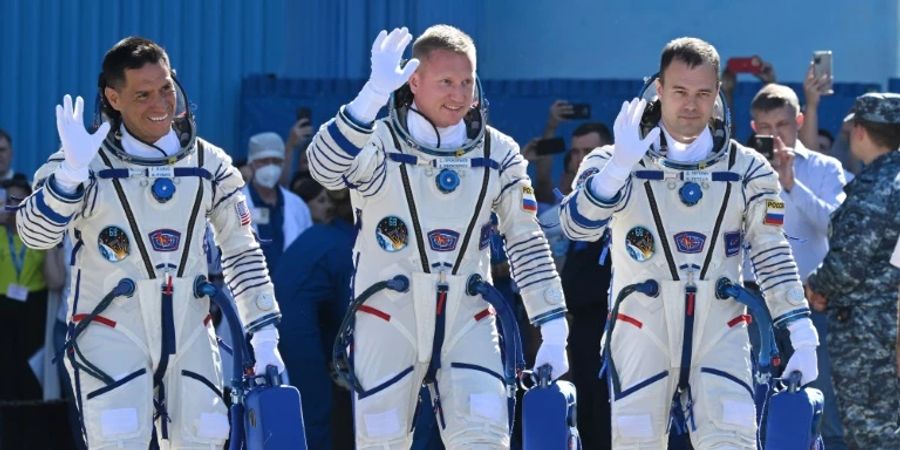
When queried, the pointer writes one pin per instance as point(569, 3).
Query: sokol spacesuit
point(141, 345)
point(680, 214)
point(424, 186)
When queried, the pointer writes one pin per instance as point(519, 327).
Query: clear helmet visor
point(719, 123)
point(475, 121)
point(183, 124)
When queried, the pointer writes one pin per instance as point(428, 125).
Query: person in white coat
point(279, 215)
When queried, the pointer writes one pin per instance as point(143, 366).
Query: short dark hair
point(305, 187)
point(885, 135)
point(594, 127)
point(4, 134)
point(132, 52)
point(825, 133)
point(691, 51)
point(774, 96)
point(18, 182)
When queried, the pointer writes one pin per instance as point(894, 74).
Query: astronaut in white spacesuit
point(135, 198)
point(424, 183)
point(681, 200)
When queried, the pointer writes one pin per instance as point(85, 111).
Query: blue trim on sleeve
point(342, 140)
point(596, 199)
point(787, 318)
point(63, 196)
point(541, 319)
point(354, 123)
point(582, 221)
point(268, 319)
point(47, 211)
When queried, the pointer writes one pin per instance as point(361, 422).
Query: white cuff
point(367, 103)
point(555, 331)
point(803, 333)
point(267, 333)
point(68, 179)
point(609, 181)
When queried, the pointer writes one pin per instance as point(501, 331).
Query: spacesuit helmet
point(133, 53)
point(400, 106)
point(719, 126)
point(447, 39)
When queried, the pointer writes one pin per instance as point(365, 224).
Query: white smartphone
point(822, 65)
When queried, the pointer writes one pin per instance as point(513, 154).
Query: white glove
point(804, 339)
point(265, 348)
point(553, 347)
point(628, 149)
point(79, 146)
point(387, 76)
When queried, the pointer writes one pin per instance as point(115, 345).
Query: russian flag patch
point(774, 213)
point(528, 201)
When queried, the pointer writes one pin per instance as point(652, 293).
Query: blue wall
point(52, 47)
point(623, 38)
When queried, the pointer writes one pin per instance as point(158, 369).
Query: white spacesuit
point(141, 344)
point(679, 358)
point(424, 212)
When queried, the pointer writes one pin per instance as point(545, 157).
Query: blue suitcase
point(794, 417)
point(548, 414)
point(273, 419)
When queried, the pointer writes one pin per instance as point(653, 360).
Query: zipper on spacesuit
point(167, 319)
point(440, 321)
point(682, 414)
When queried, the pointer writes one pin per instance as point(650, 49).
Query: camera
point(579, 111)
point(765, 145)
point(551, 146)
point(750, 64)
point(304, 113)
point(822, 65)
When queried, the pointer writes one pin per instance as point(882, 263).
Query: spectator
point(321, 207)
point(26, 275)
point(314, 291)
point(825, 141)
point(812, 188)
point(244, 168)
point(584, 276)
point(856, 284)
point(298, 138)
point(6, 157)
point(279, 216)
point(729, 80)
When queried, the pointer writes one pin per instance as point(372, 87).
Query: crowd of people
point(315, 220)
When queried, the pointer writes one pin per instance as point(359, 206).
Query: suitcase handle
point(539, 377)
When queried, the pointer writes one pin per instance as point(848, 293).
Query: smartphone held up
point(765, 145)
point(822, 66)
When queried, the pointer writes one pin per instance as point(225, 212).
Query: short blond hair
point(444, 37)
point(774, 96)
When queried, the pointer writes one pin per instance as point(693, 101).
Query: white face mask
point(268, 176)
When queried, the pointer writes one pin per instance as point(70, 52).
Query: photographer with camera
point(812, 188)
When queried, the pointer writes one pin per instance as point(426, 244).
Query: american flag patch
point(243, 212)
point(774, 213)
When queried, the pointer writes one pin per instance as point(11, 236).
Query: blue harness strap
point(177, 172)
point(474, 163)
point(511, 351)
point(343, 363)
point(657, 175)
